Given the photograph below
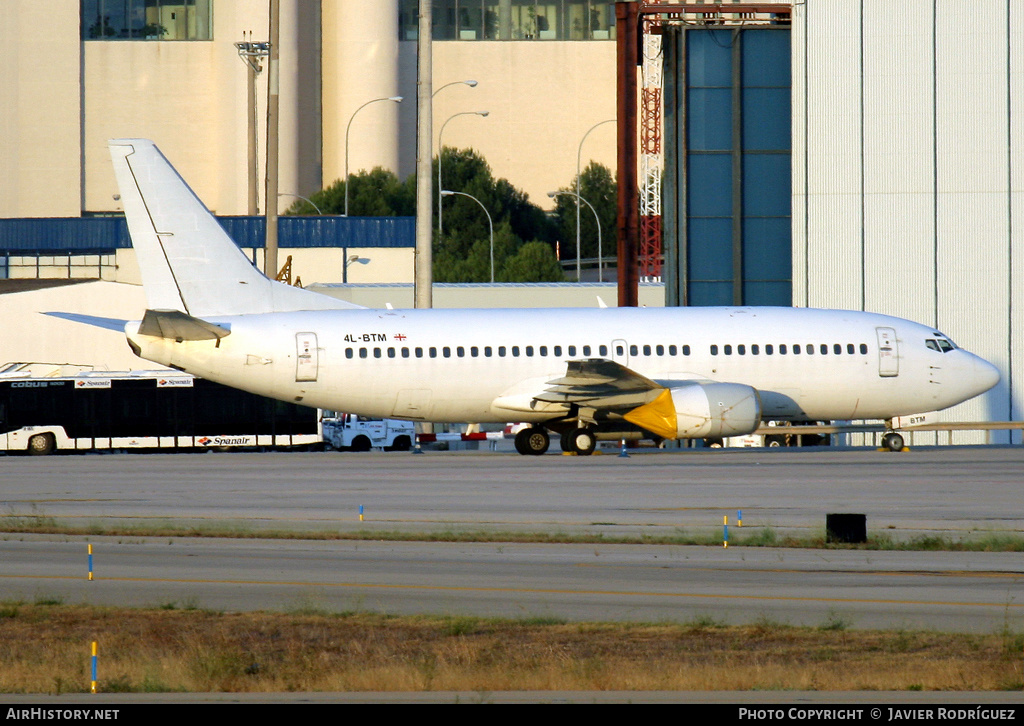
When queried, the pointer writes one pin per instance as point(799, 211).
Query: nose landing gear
point(892, 441)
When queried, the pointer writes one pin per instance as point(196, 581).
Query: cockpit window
point(932, 344)
point(946, 345)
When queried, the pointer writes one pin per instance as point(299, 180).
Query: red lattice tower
point(650, 256)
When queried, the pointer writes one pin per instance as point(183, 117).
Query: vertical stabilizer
point(188, 262)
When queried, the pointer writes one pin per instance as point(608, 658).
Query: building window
point(512, 20)
point(147, 19)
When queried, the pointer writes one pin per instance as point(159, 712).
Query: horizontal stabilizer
point(178, 326)
point(106, 323)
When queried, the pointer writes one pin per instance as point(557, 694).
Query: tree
point(462, 253)
point(466, 235)
point(376, 193)
point(597, 186)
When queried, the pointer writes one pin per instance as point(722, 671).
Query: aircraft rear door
point(888, 353)
point(307, 362)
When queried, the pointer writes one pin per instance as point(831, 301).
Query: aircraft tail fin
point(188, 262)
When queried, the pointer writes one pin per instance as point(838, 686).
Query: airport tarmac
point(953, 493)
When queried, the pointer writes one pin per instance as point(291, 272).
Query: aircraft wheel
point(565, 440)
point(583, 441)
point(532, 441)
point(892, 441)
point(41, 444)
point(775, 441)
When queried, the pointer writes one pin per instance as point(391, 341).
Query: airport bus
point(168, 410)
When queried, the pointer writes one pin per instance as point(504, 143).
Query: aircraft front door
point(888, 353)
point(307, 362)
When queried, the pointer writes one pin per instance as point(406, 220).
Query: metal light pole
point(600, 255)
point(579, 151)
point(396, 99)
point(440, 153)
point(252, 53)
point(273, 103)
point(490, 223)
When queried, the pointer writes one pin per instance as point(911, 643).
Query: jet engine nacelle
point(716, 410)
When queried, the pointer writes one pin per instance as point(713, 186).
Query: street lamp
point(440, 153)
point(471, 84)
point(600, 256)
point(350, 259)
point(447, 193)
point(579, 151)
point(305, 199)
point(396, 99)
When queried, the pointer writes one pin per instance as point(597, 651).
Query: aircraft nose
point(986, 375)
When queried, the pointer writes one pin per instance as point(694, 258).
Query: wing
point(600, 385)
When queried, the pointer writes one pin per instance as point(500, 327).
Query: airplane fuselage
point(487, 365)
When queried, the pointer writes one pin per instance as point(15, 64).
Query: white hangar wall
point(908, 173)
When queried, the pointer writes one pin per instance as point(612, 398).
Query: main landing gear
point(532, 441)
point(535, 440)
point(580, 441)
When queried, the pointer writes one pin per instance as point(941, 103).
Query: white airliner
point(586, 374)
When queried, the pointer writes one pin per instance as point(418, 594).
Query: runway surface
point(962, 492)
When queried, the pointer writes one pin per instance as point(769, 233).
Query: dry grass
point(46, 649)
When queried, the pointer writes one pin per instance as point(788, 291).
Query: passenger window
point(529, 350)
point(515, 351)
point(349, 352)
point(405, 352)
point(501, 351)
point(460, 352)
point(543, 350)
point(433, 352)
point(446, 352)
point(557, 351)
point(782, 349)
point(363, 352)
point(769, 349)
point(796, 349)
point(671, 350)
point(755, 349)
point(810, 349)
point(487, 351)
point(474, 351)
point(686, 350)
point(572, 350)
point(863, 349)
point(391, 352)
point(837, 349)
point(741, 349)
point(850, 349)
point(714, 350)
point(647, 350)
point(376, 352)
point(824, 349)
point(619, 350)
point(633, 350)
point(419, 352)
point(728, 350)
